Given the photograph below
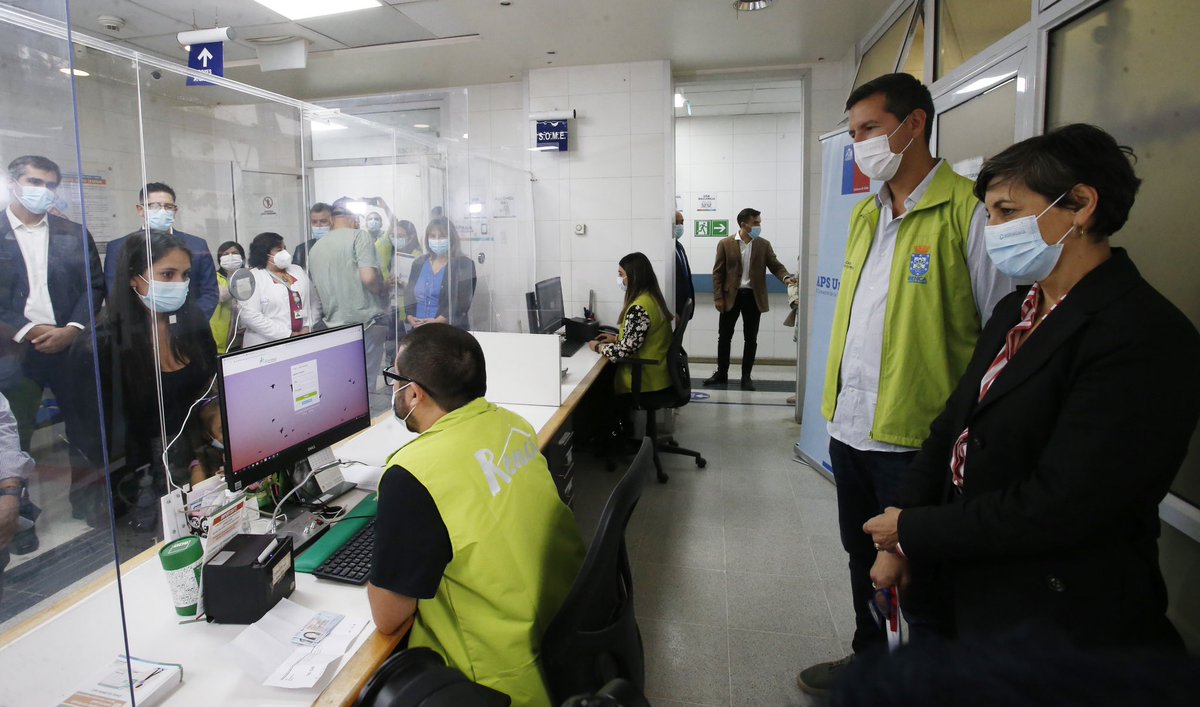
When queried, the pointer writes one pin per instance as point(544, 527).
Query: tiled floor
point(739, 576)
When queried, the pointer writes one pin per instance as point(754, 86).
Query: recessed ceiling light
point(77, 72)
point(465, 136)
point(421, 126)
point(744, 5)
point(304, 9)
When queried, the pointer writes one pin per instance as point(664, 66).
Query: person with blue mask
point(1037, 489)
point(152, 336)
point(51, 288)
point(441, 284)
point(684, 289)
point(320, 220)
point(158, 210)
point(740, 290)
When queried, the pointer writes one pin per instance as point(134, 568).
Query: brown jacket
point(727, 271)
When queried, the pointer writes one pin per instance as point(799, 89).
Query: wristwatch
point(11, 491)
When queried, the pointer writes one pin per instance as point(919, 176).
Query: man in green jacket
point(916, 287)
point(472, 542)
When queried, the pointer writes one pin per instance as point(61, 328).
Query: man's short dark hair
point(902, 93)
point(153, 187)
point(1053, 163)
point(261, 247)
point(341, 207)
point(319, 207)
point(745, 215)
point(16, 168)
point(446, 361)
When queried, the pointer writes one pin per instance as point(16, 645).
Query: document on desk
point(278, 649)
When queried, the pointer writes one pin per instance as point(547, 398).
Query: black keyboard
point(352, 561)
point(568, 348)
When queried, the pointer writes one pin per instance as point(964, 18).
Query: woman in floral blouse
point(645, 331)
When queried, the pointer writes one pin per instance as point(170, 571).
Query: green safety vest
point(931, 322)
point(658, 342)
point(516, 547)
point(220, 321)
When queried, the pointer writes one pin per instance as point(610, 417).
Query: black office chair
point(418, 677)
point(594, 638)
point(676, 396)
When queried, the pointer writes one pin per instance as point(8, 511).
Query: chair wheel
point(701, 462)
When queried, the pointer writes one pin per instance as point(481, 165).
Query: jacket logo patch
point(918, 265)
point(506, 466)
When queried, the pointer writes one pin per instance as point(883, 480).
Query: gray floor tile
point(661, 505)
point(686, 594)
point(685, 662)
point(807, 483)
point(745, 479)
point(701, 546)
point(756, 512)
point(819, 515)
point(832, 560)
point(764, 602)
point(763, 666)
point(841, 607)
point(770, 552)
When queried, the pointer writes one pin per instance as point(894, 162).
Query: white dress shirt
point(34, 242)
point(855, 413)
point(745, 247)
point(267, 315)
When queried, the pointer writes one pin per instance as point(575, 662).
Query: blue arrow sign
point(207, 58)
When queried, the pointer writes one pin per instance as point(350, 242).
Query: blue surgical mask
point(217, 444)
point(160, 219)
point(440, 247)
point(164, 297)
point(1018, 250)
point(755, 231)
point(319, 231)
point(37, 200)
point(678, 233)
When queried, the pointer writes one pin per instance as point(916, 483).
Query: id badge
point(317, 628)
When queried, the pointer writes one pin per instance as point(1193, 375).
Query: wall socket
point(581, 229)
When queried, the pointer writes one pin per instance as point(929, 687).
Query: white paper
point(264, 650)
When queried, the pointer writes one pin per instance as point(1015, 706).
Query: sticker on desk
point(281, 569)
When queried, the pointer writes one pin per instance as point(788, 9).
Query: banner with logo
point(842, 186)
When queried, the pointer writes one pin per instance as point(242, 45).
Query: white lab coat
point(267, 315)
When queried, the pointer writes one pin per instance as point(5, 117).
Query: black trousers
point(745, 307)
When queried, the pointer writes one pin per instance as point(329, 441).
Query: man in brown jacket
point(740, 288)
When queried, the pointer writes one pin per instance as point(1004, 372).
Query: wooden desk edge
point(550, 429)
point(353, 676)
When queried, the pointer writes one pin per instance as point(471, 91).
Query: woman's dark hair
point(230, 244)
point(640, 279)
point(129, 321)
point(447, 227)
point(261, 247)
point(1053, 163)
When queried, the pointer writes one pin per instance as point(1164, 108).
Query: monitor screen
point(288, 399)
point(550, 304)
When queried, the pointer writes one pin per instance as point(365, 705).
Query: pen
point(141, 682)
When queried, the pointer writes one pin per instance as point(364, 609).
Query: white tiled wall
point(616, 179)
point(754, 161)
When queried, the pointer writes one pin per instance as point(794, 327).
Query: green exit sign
point(711, 229)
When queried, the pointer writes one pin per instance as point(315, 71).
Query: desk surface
point(59, 650)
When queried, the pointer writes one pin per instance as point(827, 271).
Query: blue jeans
point(867, 483)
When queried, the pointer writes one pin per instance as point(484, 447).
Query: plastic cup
point(181, 561)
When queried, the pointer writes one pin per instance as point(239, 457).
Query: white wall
point(751, 161)
point(617, 178)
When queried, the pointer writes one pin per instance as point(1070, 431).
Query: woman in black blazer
point(1037, 499)
point(441, 284)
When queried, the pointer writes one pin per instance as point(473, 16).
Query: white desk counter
point(65, 647)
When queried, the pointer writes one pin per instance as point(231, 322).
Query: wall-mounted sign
point(552, 135)
point(711, 229)
point(706, 201)
point(206, 58)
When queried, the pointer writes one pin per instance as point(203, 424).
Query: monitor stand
point(303, 525)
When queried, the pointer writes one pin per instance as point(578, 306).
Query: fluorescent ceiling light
point(304, 9)
point(749, 5)
point(77, 72)
point(421, 126)
point(678, 100)
point(320, 126)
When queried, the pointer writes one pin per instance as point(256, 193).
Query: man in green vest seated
point(472, 539)
point(916, 287)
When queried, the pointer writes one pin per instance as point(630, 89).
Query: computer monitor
point(550, 304)
point(286, 400)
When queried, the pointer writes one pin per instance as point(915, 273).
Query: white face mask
point(231, 262)
point(621, 283)
point(282, 259)
point(678, 233)
point(1018, 250)
point(402, 420)
point(875, 158)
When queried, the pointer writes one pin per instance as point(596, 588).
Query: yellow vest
point(516, 547)
point(220, 321)
point(931, 322)
point(656, 346)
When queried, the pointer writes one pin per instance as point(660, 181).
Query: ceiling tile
point(382, 25)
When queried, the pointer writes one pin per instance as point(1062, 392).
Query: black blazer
point(684, 289)
point(1069, 455)
point(459, 278)
point(72, 297)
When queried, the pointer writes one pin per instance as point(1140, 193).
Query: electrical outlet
point(581, 229)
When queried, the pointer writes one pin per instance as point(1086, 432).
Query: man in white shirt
point(916, 288)
point(51, 287)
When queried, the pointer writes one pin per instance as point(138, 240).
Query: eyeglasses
point(390, 375)
point(158, 205)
